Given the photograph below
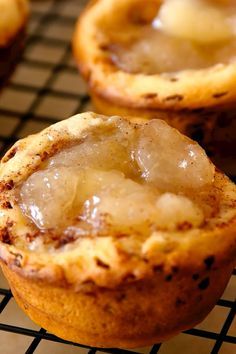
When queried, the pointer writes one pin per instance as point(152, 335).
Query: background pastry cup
point(12, 36)
point(190, 100)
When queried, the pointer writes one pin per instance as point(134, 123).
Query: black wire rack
point(45, 88)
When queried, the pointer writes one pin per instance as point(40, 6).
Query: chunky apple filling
point(183, 35)
point(122, 179)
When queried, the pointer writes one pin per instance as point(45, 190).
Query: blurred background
point(45, 86)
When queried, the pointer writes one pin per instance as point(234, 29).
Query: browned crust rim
point(190, 90)
point(89, 262)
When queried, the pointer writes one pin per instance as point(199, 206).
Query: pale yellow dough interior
point(121, 179)
point(181, 35)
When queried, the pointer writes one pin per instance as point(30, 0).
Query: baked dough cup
point(189, 100)
point(113, 290)
point(13, 22)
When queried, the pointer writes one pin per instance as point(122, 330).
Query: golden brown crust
point(190, 89)
point(115, 317)
point(90, 261)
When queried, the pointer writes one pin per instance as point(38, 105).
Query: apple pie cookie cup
point(97, 283)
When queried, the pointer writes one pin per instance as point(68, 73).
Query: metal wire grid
point(36, 114)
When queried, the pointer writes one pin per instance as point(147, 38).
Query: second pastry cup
point(13, 26)
point(195, 101)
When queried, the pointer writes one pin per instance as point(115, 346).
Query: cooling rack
point(46, 88)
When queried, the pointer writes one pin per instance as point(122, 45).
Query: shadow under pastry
point(9, 56)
